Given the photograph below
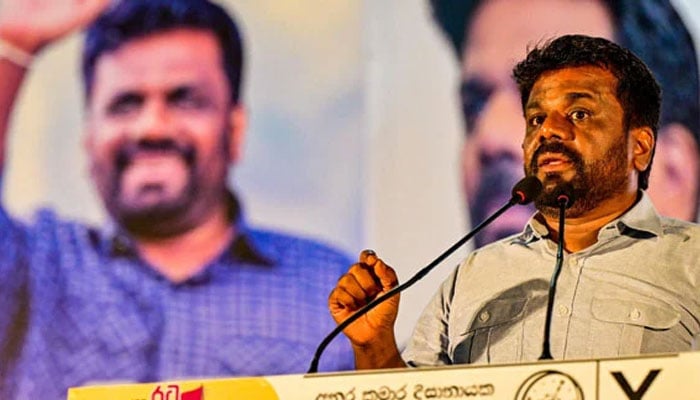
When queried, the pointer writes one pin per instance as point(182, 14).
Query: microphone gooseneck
point(565, 199)
point(525, 191)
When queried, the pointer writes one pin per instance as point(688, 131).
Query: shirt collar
point(534, 231)
point(116, 242)
point(642, 219)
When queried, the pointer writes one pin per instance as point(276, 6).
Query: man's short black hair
point(651, 29)
point(127, 20)
point(637, 91)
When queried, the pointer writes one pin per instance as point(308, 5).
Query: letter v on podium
point(643, 387)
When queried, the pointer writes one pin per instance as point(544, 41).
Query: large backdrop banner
point(365, 131)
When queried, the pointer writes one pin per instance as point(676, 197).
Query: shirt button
point(563, 310)
point(635, 314)
point(484, 316)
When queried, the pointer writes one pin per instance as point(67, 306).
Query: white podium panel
point(668, 376)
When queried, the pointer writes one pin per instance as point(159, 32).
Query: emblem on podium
point(550, 384)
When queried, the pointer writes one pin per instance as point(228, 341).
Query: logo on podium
point(550, 384)
point(172, 392)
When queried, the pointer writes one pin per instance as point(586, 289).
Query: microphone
point(525, 191)
point(565, 199)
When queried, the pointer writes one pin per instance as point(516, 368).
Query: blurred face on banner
point(499, 35)
point(162, 131)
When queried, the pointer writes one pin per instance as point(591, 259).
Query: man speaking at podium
point(630, 278)
point(178, 286)
point(488, 36)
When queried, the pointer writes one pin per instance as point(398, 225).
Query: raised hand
point(366, 280)
point(30, 25)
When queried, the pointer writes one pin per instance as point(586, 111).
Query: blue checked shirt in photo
point(79, 307)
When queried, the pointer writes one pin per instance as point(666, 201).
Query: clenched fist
point(365, 281)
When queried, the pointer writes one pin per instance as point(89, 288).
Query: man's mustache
point(556, 148)
point(127, 152)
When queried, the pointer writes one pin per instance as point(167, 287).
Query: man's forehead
point(574, 83)
point(584, 75)
point(162, 59)
point(171, 48)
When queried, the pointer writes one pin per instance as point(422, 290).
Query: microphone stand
point(546, 352)
point(397, 289)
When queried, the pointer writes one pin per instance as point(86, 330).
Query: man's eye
point(537, 120)
point(579, 115)
point(189, 102)
point(124, 105)
point(188, 99)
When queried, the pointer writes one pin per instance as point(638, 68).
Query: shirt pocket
point(98, 341)
point(494, 333)
point(619, 325)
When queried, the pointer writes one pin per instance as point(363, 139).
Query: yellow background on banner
point(216, 389)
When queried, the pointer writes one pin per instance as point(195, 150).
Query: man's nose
point(153, 122)
point(556, 126)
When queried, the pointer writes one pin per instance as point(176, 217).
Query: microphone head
point(565, 195)
point(526, 190)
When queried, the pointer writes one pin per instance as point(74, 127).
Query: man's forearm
point(383, 353)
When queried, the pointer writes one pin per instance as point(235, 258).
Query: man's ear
point(238, 123)
point(675, 175)
point(642, 147)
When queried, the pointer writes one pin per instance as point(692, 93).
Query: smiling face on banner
point(162, 131)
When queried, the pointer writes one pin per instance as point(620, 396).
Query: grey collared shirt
point(634, 291)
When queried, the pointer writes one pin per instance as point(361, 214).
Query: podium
point(665, 376)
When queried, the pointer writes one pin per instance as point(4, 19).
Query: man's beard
point(158, 219)
point(593, 182)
